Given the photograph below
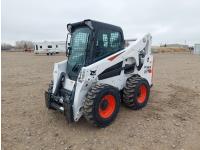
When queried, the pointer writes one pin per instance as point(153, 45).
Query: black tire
point(47, 54)
point(136, 92)
point(102, 105)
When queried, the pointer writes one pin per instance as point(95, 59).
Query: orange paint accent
point(108, 111)
point(115, 56)
point(143, 94)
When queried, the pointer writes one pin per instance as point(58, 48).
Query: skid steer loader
point(99, 73)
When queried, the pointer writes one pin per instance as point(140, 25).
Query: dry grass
point(171, 120)
point(168, 49)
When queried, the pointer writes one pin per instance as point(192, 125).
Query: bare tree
point(6, 46)
point(24, 45)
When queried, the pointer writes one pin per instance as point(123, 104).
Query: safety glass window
point(107, 43)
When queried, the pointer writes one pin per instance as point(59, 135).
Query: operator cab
point(90, 42)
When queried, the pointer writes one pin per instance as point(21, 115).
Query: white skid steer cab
point(99, 73)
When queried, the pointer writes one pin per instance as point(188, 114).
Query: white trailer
point(49, 48)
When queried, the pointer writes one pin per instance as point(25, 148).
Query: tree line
point(18, 45)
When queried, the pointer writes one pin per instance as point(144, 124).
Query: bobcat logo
point(92, 73)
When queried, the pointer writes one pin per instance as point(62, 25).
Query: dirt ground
point(171, 119)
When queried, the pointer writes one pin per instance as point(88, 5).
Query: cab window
point(107, 43)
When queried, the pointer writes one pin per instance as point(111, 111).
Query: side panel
point(111, 71)
point(79, 98)
point(58, 69)
point(147, 69)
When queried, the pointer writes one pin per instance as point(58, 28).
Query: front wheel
point(102, 105)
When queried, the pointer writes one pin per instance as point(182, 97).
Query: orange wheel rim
point(142, 94)
point(107, 106)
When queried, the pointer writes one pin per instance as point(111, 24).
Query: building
point(176, 46)
point(196, 48)
point(49, 48)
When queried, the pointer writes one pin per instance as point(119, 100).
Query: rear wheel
point(136, 92)
point(102, 105)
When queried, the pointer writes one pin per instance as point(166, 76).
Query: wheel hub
point(107, 106)
point(104, 104)
point(142, 93)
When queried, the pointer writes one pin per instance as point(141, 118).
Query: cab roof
point(94, 25)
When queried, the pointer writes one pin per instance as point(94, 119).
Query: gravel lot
point(171, 119)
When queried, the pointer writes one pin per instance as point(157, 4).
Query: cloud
point(37, 20)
